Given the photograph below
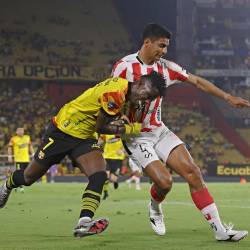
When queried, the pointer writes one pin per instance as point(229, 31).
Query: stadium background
point(50, 51)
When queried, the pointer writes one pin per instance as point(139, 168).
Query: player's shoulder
point(113, 84)
point(14, 138)
point(167, 64)
point(27, 137)
point(112, 81)
point(130, 58)
point(126, 60)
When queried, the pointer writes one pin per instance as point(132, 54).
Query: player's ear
point(147, 41)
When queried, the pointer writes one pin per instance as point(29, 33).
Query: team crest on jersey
point(41, 155)
point(112, 105)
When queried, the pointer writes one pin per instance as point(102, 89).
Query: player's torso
point(21, 148)
point(78, 117)
point(149, 113)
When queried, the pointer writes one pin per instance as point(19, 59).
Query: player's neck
point(145, 58)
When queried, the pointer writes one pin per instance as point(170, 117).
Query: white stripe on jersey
point(131, 68)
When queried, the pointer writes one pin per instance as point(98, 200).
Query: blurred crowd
point(23, 105)
point(54, 39)
point(223, 40)
point(203, 139)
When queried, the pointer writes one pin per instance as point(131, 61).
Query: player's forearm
point(111, 129)
point(9, 151)
point(210, 88)
point(31, 150)
point(120, 128)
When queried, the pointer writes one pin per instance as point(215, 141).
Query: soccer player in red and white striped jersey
point(157, 145)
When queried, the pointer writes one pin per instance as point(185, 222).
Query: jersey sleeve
point(28, 139)
point(112, 102)
point(176, 73)
point(121, 69)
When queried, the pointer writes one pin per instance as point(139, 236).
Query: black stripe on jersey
point(140, 61)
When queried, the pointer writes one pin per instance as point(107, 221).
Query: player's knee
point(165, 182)
point(193, 173)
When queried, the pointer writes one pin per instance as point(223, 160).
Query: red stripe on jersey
point(136, 70)
point(152, 117)
point(173, 75)
point(123, 74)
point(116, 64)
point(160, 69)
point(149, 70)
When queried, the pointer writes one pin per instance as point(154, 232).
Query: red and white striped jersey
point(131, 68)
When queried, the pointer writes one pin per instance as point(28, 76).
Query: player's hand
point(10, 159)
point(133, 128)
point(118, 122)
point(237, 102)
point(125, 119)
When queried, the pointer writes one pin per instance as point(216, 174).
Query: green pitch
point(43, 218)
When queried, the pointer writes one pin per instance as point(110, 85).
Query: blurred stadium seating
point(205, 141)
point(59, 33)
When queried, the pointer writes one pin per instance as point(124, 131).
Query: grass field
point(43, 218)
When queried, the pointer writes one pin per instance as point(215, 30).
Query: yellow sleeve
point(112, 102)
point(11, 142)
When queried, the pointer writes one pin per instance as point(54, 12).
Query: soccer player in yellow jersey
point(114, 155)
point(72, 133)
point(20, 149)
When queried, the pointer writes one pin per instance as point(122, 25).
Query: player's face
point(157, 48)
point(20, 131)
point(143, 90)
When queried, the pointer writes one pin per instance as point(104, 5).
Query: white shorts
point(150, 147)
point(133, 166)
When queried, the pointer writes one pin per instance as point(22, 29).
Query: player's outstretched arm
point(210, 88)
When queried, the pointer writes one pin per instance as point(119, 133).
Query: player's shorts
point(114, 166)
point(57, 144)
point(21, 165)
point(145, 149)
point(133, 166)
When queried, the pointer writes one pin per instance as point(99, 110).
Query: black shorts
point(21, 165)
point(114, 166)
point(56, 145)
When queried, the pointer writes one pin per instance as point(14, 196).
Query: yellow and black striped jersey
point(78, 117)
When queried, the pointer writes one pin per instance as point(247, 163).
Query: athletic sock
point(137, 183)
point(16, 179)
point(92, 194)
point(106, 186)
point(156, 197)
point(205, 203)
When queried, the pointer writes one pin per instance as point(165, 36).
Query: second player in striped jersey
point(157, 145)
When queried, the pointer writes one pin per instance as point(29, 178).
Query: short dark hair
point(155, 31)
point(157, 81)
